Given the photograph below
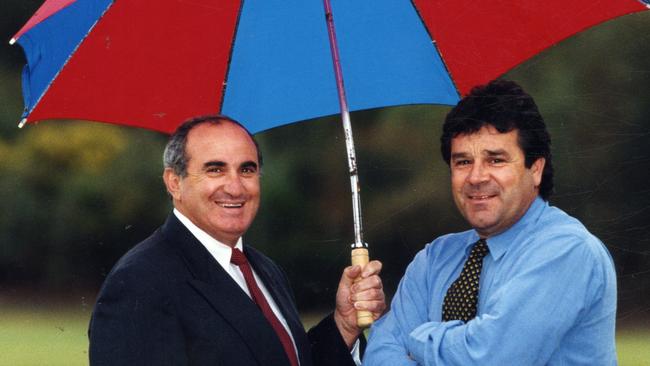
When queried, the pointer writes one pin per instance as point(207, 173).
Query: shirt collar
point(500, 243)
point(220, 251)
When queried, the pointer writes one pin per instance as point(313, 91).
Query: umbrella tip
point(12, 41)
point(22, 123)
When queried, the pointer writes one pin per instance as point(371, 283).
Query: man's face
point(490, 183)
point(221, 192)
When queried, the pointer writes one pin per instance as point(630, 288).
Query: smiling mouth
point(481, 197)
point(230, 205)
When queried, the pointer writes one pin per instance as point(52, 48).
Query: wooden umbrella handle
point(360, 257)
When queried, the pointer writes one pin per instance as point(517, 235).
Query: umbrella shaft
point(347, 128)
point(354, 181)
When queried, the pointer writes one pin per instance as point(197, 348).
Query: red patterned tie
point(238, 258)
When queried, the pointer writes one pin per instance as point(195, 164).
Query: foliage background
point(75, 195)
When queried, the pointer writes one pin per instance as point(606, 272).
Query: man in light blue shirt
point(546, 289)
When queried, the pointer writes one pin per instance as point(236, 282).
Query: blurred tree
point(66, 189)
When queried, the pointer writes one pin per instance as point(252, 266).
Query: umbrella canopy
point(154, 63)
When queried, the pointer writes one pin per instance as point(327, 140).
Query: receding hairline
point(218, 122)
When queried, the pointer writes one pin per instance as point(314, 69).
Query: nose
point(479, 174)
point(234, 185)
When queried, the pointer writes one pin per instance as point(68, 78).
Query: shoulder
point(448, 245)
point(144, 254)
point(261, 260)
point(562, 240)
point(149, 264)
point(135, 317)
point(259, 257)
point(441, 251)
point(451, 239)
point(560, 231)
point(262, 263)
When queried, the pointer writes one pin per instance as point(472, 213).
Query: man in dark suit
point(178, 298)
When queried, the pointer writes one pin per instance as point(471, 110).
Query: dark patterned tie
point(462, 296)
point(240, 260)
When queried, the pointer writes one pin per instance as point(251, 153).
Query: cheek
point(207, 187)
point(457, 182)
point(253, 187)
point(507, 180)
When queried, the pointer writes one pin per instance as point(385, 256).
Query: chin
point(481, 225)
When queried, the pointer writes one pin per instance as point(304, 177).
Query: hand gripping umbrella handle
point(360, 257)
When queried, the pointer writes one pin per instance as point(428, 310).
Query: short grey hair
point(175, 156)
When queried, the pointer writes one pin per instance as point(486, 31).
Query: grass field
point(36, 337)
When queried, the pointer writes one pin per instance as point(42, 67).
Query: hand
point(366, 294)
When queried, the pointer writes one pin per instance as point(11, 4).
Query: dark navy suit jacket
point(168, 302)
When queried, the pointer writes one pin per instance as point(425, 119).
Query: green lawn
point(633, 347)
point(35, 337)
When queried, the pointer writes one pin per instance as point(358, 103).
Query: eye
point(248, 170)
point(497, 161)
point(462, 162)
point(214, 170)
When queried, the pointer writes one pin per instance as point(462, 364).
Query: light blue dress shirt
point(547, 297)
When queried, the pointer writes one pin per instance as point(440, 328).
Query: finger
point(373, 282)
point(368, 295)
point(350, 274)
point(372, 268)
point(375, 307)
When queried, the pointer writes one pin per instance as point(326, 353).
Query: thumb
point(350, 274)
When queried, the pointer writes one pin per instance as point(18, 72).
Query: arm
point(524, 316)
point(387, 343)
point(523, 319)
point(335, 336)
point(133, 322)
point(327, 345)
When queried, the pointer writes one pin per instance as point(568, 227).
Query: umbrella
point(152, 64)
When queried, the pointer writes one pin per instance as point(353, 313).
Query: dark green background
point(75, 196)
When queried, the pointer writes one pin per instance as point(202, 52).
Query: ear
point(537, 169)
point(173, 183)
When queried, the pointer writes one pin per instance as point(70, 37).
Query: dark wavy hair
point(175, 156)
point(506, 106)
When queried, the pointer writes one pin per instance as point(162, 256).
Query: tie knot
point(480, 249)
point(237, 257)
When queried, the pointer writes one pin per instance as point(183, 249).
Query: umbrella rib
point(435, 45)
point(228, 64)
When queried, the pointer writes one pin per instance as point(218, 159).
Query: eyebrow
point(459, 155)
point(221, 164)
point(211, 164)
point(464, 155)
point(499, 152)
point(248, 164)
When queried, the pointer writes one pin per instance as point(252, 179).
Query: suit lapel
point(225, 296)
point(283, 298)
point(245, 317)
